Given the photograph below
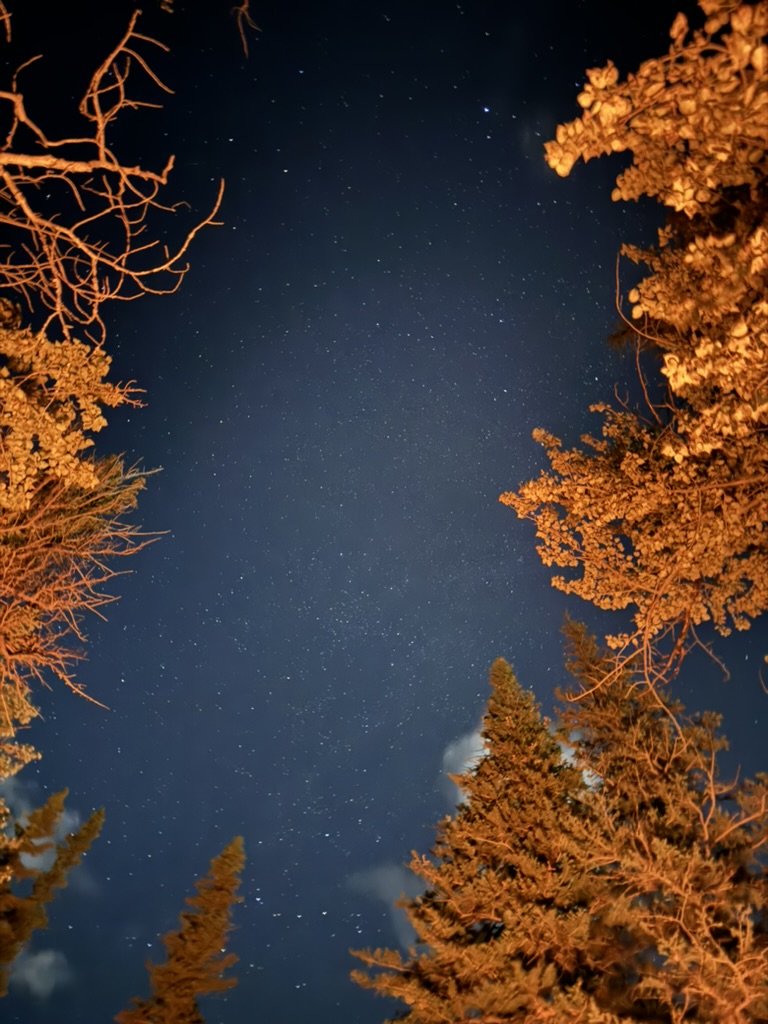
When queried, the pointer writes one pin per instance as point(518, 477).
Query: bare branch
point(244, 19)
point(90, 249)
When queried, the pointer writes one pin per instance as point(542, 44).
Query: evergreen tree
point(621, 881)
point(196, 959)
point(20, 872)
point(504, 925)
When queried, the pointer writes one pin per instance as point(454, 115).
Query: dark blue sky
point(346, 381)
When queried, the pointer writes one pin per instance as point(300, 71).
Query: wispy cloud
point(458, 757)
point(38, 974)
point(388, 883)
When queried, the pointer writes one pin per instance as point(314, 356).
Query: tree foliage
point(504, 885)
point(605, 872)
point(78, 221)
point(622, 880)
point(52, 397)
point(26, 886)
point(679, 545)
point(196, 959)
point(695, 120)
point(62, 511)
point(665, 512)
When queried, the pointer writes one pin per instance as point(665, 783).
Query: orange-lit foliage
point(61, 510)
point(21, 915)
point(52, 396)
point(677, 543)
point(77, 219)
point(666, 515)
point(16, 711)
point(196, 958)
point(622, 882)
point(54, 560)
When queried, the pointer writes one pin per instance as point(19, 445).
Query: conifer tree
point(504, 925)
point(196, 960)
point(25, 887)
point(623, 881)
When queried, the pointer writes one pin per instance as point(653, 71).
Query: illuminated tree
point(21, 870)
point(61, 510)
point(685, 849)
point(677, 543)
point(78, 221)
point(601, 874)
point(696, 123)
point(504, 923)
point(196, 958)
point(664, 513)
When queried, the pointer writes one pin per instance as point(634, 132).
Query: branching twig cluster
point(95, 246)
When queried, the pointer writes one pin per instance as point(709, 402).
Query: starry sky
point(401, 290)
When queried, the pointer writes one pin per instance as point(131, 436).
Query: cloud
point(38, 974)
point(458, 757)
point(387, 883)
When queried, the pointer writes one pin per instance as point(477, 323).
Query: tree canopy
point(664, 512)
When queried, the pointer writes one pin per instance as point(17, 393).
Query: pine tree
point(196, 960)
point(602, 873)
point(503, 927)
point(21, 915)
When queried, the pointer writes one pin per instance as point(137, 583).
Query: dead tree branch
point(93, 247)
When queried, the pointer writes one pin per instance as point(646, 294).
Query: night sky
point(348, 378)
